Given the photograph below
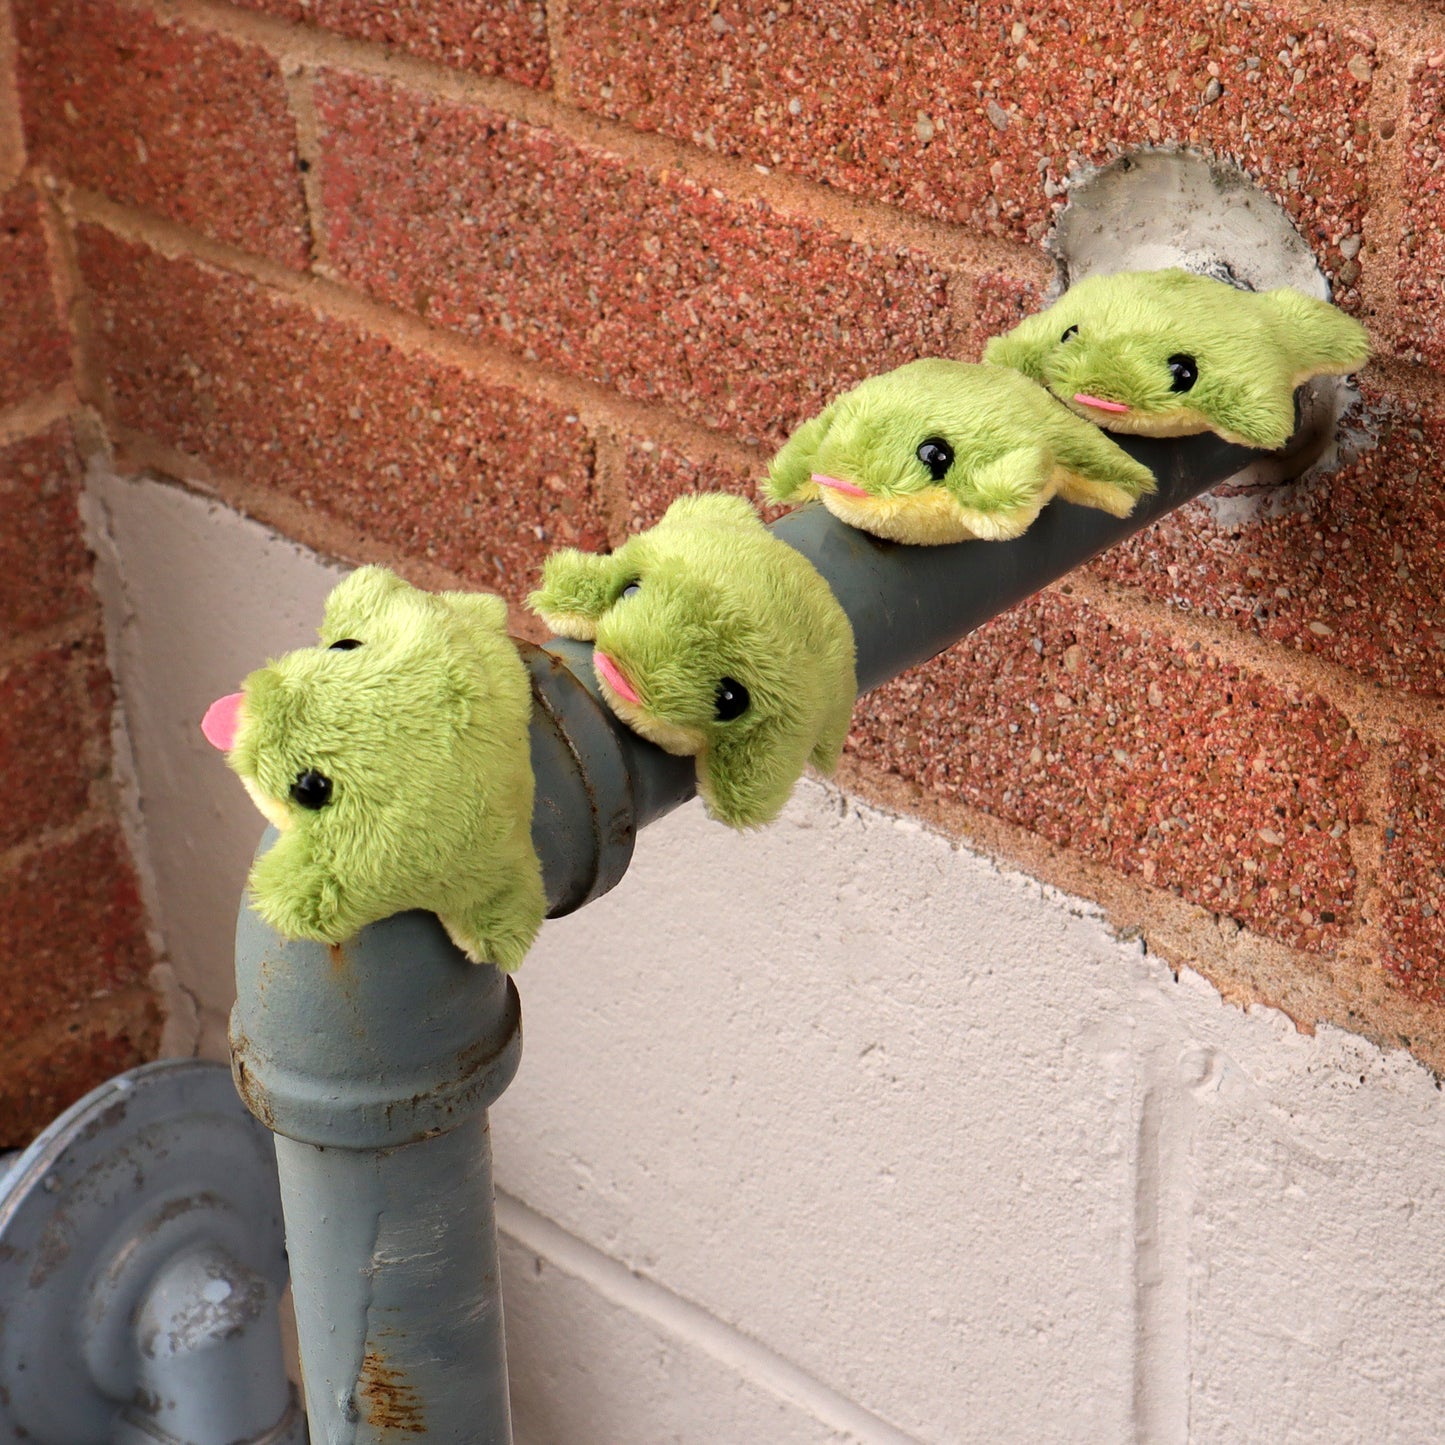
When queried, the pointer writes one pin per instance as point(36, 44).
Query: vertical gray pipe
point(375, 1063)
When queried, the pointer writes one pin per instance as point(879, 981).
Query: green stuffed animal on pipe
point(714, 640)
point(944, 451)
point(395, 760)
point(1168, 354)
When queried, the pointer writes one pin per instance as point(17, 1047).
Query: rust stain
point(389, 1401)
point(338, 955)
point(252, 1095)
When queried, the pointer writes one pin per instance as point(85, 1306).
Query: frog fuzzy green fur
point(419, 735)
point(714, 639)
point(942, 451)
point(1168, 353)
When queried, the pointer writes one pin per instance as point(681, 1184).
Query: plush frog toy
point(395, 760)
point(941, 451)
point(1168, 354)
point(713, 639)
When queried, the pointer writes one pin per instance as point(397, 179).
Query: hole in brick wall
point(1160, 207)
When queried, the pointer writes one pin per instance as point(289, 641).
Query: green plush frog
point(714, 640)
point(1169, 353)
point(395, 760)
point(943, 451)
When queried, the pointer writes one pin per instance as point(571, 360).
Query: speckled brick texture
point(71, 1059)
point(44, 564)
point(646, 282)
point(34, 348)
point(967, 113)
point(408, 450)
point(656, 475)
point(997, 302)
point(52, 743)
point(1421, 277)
point(1353, 570)
point(1128, 747)
point(1412, 866)
point(166, 116)
point(70, 929)
point(498, 37)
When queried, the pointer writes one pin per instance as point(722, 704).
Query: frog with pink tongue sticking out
point(395, 761)
point(717, 641)
point(944, 451)
point(1170, 353)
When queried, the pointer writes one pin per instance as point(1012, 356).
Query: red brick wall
point(450, 284)
point(73, 949)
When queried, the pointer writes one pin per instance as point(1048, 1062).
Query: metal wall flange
point(141, 1261)
point(1165, 206)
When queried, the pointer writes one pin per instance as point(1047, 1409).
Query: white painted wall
point(839, 1133)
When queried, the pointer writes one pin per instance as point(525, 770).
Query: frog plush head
point(1169, 353)
point(395, 761)
point(715, 640)
point(943, 451)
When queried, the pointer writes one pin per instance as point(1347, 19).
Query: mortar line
point(331, 538)
point(16, 650)
point(1343, 987)
point(12, 129)
point(36, 414)
point(99, 1012)
point(595, 404)
point(301, 97)
point(1371, 708)
point(857, 218)
point(692, 1323)
point(86, 822)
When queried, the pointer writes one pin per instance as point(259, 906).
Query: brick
point(1352, 569)
point(163, 115)
point(966, 113)
point(410, 451)
point(997, 303)
point(44, 563)
point(53, 710)
point(657, 474)
point(1130, 748)
point(1412, 867)
point(498, 37)
point(645, 282)
point(34, 348)
point(71, 929)
point(1422, 234)
point(80, 1053)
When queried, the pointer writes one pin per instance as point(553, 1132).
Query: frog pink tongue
point(838, 484)
point(614, 677)
point(1097, 401)
point(223, 720)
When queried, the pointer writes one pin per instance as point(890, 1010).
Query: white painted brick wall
point(836, 1132)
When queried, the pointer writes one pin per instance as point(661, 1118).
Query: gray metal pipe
point(375, 1061)
point(906, 604)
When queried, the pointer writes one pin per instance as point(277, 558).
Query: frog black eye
point(312, 789)
point(937, 456)
point(732, 700)
point(1072, 331)
point(345, 645)
point(632, 588)
point(1184, 370)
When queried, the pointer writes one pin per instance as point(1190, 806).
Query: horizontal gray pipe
point(598, 783)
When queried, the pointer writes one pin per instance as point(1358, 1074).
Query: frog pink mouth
point(838, 485)
point(1084, 399)
point(614, 677)
point(223, 721)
